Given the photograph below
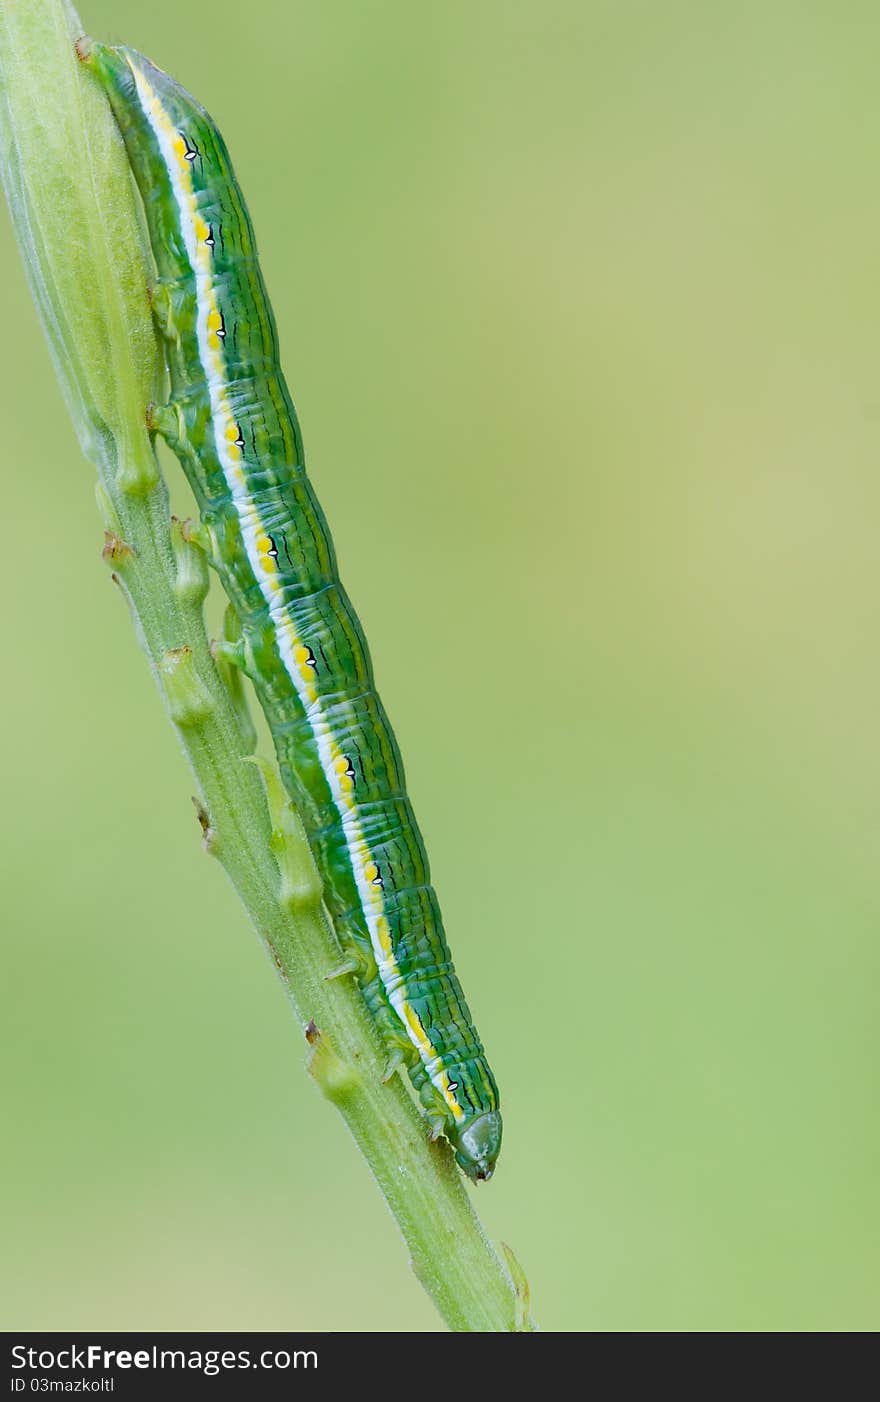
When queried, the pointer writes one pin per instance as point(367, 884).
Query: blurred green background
point(579, 303)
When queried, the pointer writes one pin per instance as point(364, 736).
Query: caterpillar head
point(477, 1146)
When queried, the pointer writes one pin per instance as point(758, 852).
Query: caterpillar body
point(231, 422)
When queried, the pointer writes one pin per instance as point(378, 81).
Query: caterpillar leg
point(357, 954)
point(173, 308)
point(397, 1061)
point(354, 964)
point(166, 421)
point(163, 419)
point(233, 652)
point(358, 960)
point(159, 298)
point(435, 1109)
point(402, 1055)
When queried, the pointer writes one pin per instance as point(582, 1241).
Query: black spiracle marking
point(191, 150)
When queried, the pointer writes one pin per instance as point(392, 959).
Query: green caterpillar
point(231, 422)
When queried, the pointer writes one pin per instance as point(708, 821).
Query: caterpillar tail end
point(477, 1146)
point(88, 50)
point(103, 60)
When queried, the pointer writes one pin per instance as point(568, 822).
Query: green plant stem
point(72, 204)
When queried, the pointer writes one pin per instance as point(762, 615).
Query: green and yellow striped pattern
point(232, 424)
